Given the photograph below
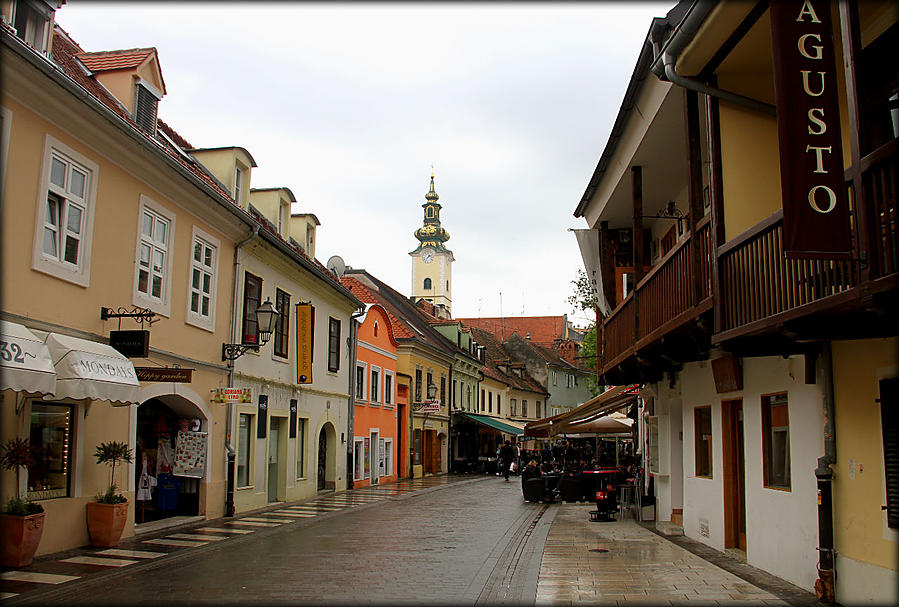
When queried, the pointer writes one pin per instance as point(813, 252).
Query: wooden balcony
point(766, 304)
point(765, 296)
point(657, 320)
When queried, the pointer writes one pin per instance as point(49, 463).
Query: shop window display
point(171, 459)
point(51, 442)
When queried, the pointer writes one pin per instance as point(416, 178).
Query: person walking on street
point(507, 454)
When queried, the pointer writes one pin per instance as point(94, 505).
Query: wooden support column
point(852, 53)
point(694, 187)
point(713, 128)
point(637, 241)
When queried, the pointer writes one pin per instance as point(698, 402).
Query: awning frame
point(613, 399)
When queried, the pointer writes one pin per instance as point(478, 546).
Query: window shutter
point(145, 110)
point(889, 419)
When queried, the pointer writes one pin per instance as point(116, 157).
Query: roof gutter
point(665, 60)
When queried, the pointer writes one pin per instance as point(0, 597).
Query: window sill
point(200, 323)
point(247, 488)
point(280, 359)
point(783, 489)
point(301, 478)
point(376, 405)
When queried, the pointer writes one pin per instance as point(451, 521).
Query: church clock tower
point(432, 277)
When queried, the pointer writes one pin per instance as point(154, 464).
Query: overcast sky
point(350, 104)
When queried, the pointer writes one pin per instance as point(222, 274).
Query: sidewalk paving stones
point(416, 541)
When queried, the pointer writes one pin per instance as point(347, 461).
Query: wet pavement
point(443, 540)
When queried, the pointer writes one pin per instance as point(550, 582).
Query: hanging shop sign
point(133, 344)
point(232, 395)
point(262, 416)
point(293, 418)
point(164, 374)
point(815, 206)
point(430, 406)
point(305, 324)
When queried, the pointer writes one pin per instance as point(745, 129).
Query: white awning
point(588, 243)
point(25, 364)
point(87, 369)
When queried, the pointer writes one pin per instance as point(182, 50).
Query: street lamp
point(266, 318)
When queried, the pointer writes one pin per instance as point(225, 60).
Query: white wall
point(781, 526)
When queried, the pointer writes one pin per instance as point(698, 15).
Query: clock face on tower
point(427, 256)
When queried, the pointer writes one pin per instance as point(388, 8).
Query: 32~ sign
point(11, 351)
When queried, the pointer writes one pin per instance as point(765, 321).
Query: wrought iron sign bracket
point(235, 351)
point(141, 315)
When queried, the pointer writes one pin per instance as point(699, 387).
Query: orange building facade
point(378, 419)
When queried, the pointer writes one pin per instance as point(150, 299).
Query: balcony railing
point(665, 298)
point(758, 282)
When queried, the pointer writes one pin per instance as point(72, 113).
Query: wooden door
point(734, 474)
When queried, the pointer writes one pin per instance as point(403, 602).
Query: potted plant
point(22, 524)
point(106, 517)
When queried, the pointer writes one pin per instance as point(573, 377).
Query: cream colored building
point(290, 440)
point(101, 209)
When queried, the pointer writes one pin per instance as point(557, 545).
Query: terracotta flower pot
point(21, 536)
point(105, 523)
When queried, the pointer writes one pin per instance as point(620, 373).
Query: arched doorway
point(322, 459)
point(326, 466)
point(164, 489)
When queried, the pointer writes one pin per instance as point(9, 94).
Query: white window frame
point(555, 379)
point(364, 367)
point(388, 457)
point(251, 439)
point(389, 395)
point(299, 451)
point(163, 304)
point(194, 318)
point(79, 273)
point(376, 399)
point(358, 457)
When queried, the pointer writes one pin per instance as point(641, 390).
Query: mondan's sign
point(816, 213)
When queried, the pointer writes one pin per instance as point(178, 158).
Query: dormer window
point(31, 19)
point(145, 106)
point(238, 182)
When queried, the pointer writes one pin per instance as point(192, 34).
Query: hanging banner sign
point(815, 206)
point(232, 395)
point(305, 325)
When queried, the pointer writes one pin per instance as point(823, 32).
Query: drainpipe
point(229, 447)
point(351, 416)
point(825, 584)
point(666, 52)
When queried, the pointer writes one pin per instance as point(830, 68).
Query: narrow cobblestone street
point(448, 540)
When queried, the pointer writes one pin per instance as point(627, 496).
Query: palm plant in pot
point(107, 515)
point(22, 523)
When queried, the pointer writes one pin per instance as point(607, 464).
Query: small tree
point(17, 456)
point(112, 453)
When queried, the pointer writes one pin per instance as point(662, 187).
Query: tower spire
point(431, 233)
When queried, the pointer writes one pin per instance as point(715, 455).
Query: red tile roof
point(543, 330)
point(106, 61)
point(65, 51)
point(366, 296)
point(493, 354)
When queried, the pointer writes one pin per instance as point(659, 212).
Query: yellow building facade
point(98, 214)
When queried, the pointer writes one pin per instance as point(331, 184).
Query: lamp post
point(266, 317)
